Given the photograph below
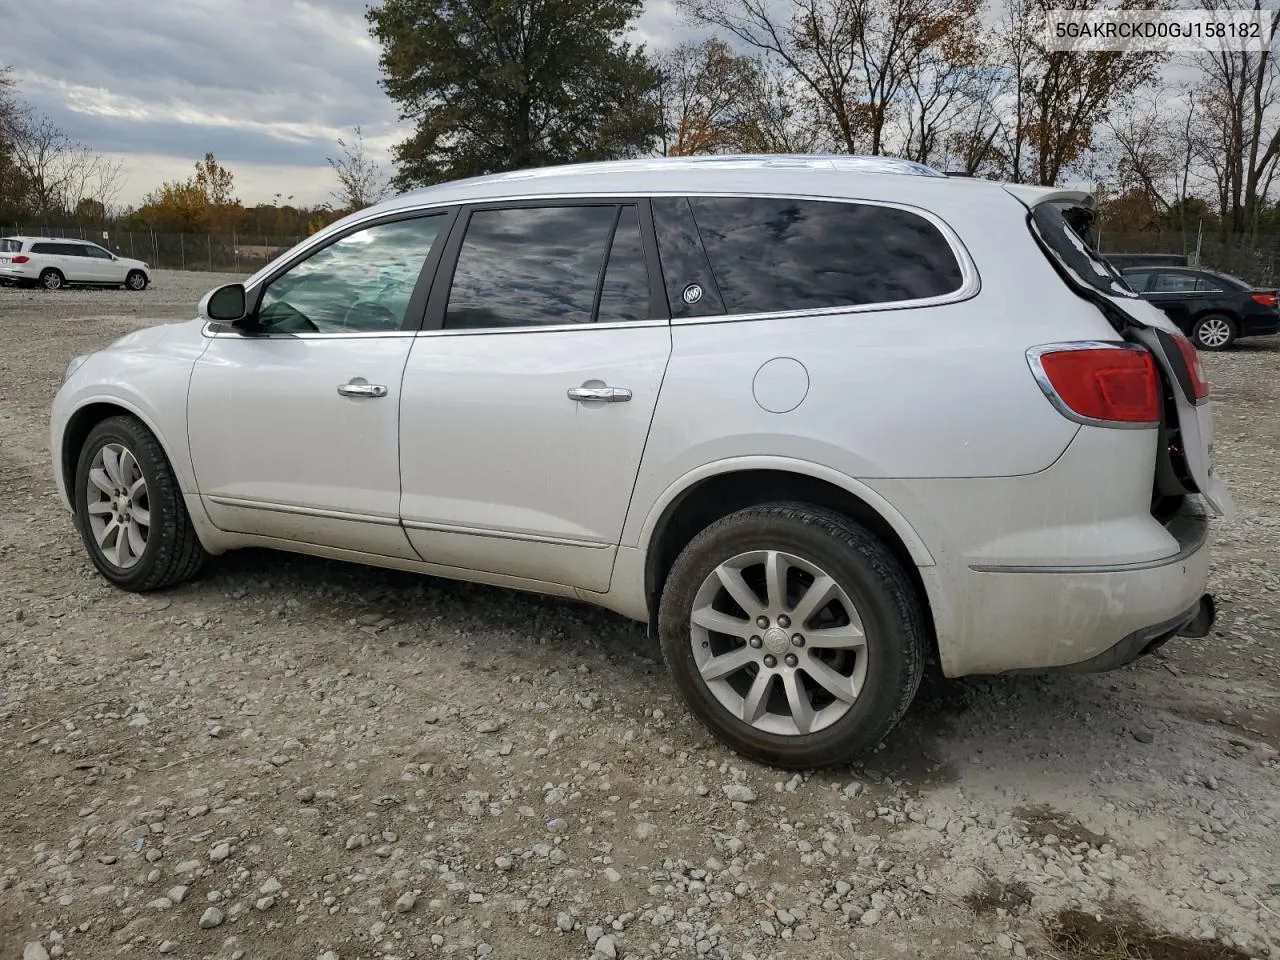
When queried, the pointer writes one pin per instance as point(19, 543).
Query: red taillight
point(1191, 357)
point(1099, 384)
point(21, 259)
point(1266, 299)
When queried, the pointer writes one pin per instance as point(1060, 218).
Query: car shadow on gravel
point(1018, 723)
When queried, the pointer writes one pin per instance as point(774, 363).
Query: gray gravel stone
point(739, 793)
point(211, 918)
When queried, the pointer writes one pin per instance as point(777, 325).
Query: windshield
point(1066, 233)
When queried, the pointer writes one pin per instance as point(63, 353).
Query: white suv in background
point(54, 263)
point(815, 420)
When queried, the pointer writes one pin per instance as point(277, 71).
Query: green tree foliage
point(496, 85)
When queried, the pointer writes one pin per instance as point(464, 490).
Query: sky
point(267, 85)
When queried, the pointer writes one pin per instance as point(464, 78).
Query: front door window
point(361, 283)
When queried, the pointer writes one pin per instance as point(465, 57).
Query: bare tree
point(361, 182)
point(1060, 97)
point(40, 152)
point(1141, 151)
point(1240, 123)
point(91, 178)
point(945, 83)
point(853, 57)
point(705, 93)
point(782, 114)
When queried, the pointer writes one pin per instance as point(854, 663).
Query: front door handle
point(358, 387)
point(607, 394)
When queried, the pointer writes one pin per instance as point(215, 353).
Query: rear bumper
point(9, 271)
point(1256, 325)
point(1076, 618)
point(1197, 621)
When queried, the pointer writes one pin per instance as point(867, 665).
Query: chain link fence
point(229, 253)
point(1255, 259)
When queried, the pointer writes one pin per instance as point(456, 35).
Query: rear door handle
point(607, 394)
point(358, 387)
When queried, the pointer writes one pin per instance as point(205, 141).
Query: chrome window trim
point(209, 330)
point(970, 282)
point(1034, 355)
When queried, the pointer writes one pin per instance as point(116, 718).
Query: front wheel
point(793, 634)
point(137, 280)
point(130, 511)
point(1214, 331)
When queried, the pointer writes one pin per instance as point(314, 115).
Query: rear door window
point(530, 267)
point(1139, 282)
point(773, 254)
point(1182, 283)
point(624, 295)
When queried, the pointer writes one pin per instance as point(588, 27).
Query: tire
point(136, 281)
point(52, 279)
point(1214, 331)
point(172, 552)
point(890, 660)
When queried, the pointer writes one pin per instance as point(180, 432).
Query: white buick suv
point(815, 420)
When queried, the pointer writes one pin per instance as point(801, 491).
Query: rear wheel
point(52, 279)
point(793, 634)
point(1214, 331)
point(130, 511)
point(137, 280)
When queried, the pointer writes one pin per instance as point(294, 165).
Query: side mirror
point(225, 304)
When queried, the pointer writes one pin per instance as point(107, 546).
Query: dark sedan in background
point(1213, 309)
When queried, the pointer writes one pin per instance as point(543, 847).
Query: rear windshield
point(8, 245)
point(1066, 234)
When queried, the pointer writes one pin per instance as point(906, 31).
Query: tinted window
point(1182, 283)
point(1138, 281)
point(691, 288)
point(73, 250)
point(49, 248)
point(625, 293)
point(359, 284)
point(96, 252)
point(529, 266)
point(773, 254)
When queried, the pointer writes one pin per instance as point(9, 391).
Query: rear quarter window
point(771, 254)
point(45, 248)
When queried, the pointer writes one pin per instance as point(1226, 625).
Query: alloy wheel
point(119, 509)
point(1214, 332)
point(778, 642)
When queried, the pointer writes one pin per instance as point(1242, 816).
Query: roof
point(24, 236)
point(816, 174)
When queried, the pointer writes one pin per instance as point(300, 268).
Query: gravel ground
point(303, 759)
